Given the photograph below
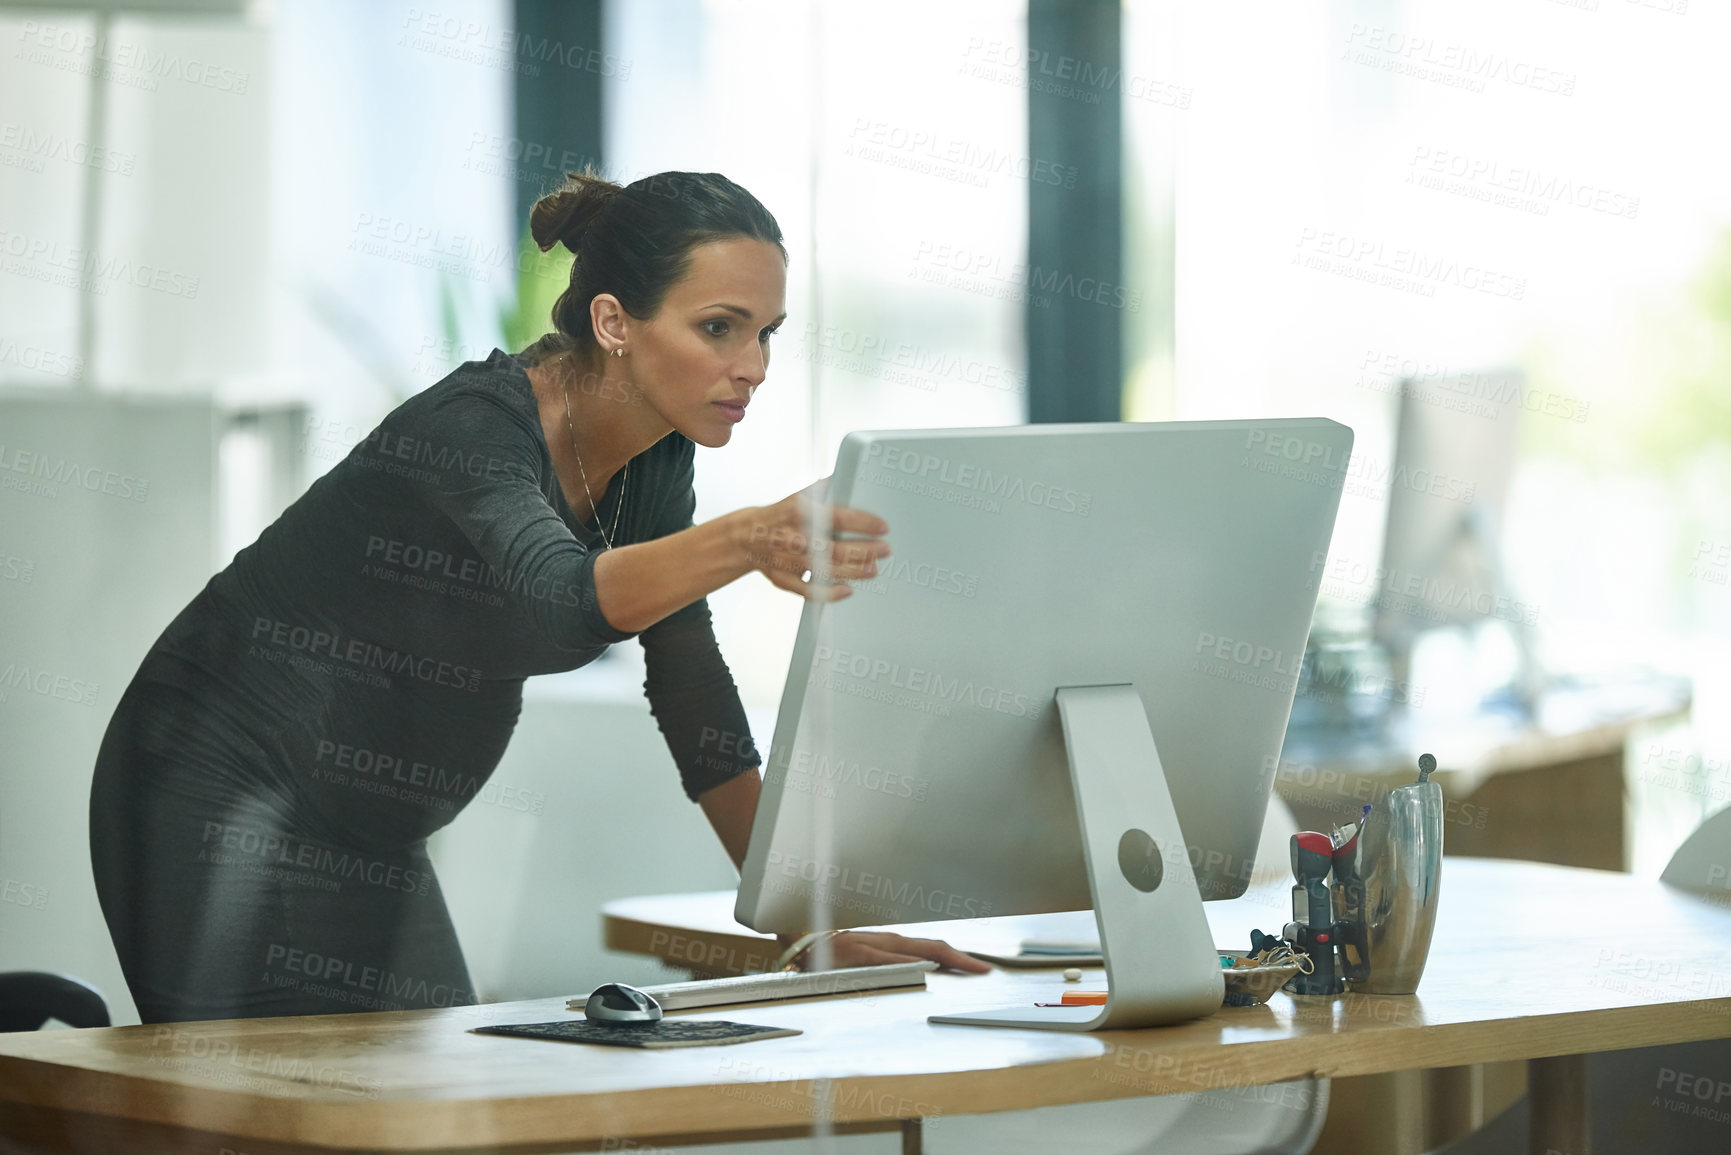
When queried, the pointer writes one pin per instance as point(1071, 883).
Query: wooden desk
point(1551, 788)
point(1554, 787)
point(418, 1081)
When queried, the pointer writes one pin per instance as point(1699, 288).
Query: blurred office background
point(233, 235)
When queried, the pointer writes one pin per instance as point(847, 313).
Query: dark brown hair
point(635, 241)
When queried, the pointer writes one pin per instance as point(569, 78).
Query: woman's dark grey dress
point(265, 789)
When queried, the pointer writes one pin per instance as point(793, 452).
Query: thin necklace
point(565, 390)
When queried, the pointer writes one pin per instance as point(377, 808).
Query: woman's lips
point(735, 412)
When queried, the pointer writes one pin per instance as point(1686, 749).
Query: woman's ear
point(609, 320)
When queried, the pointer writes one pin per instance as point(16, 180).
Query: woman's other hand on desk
point(874, 948)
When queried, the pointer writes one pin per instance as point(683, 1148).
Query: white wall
point(88, 580)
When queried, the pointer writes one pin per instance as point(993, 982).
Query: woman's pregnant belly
point(383, 767)
point(369, 752)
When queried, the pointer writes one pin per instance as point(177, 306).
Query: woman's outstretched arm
point(638, 585)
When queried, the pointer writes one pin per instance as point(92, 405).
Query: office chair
point(1701, 863)
point(1623, 1086)
point(29, 999)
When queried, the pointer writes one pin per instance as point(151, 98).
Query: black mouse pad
point(661, 1033)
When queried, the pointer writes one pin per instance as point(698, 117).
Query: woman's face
point(700, 358)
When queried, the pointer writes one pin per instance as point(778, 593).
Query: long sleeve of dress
point(690, 689)
point(481, 466)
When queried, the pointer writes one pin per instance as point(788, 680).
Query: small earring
point(619, 352)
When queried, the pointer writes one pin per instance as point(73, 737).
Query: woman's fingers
point(844, 519)
point(799, 564)
point(791, 580)
point(868, 948)
point(857, 559)
point(840, 560)
point(793, 572)
point(870, 956)
point(941, 953)
point(848, 560)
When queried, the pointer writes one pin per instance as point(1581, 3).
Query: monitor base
point(1161, 964)
point(1037, 1018)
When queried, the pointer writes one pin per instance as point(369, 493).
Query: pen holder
point(1398, 864)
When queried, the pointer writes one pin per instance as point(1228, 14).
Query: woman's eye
point(713, 332)
point(768, 333)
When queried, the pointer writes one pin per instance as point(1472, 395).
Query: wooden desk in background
point(418, 1081)
point(1550, 789)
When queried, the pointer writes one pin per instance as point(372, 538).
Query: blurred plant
point(541, 277)
point(1656, 368)
point(1659, 380)
point(515, 322)
point(1692, 411)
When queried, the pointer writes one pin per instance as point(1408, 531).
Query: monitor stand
point(1161, 965)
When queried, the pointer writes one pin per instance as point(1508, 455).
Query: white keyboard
point(763, 988)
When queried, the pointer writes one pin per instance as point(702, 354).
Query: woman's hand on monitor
point(779, 540)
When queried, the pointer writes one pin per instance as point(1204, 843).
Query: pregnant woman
point(265, 789)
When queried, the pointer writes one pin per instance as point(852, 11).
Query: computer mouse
point(619, 1003)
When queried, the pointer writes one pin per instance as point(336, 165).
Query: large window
point(1377, 190)
point(897, 167)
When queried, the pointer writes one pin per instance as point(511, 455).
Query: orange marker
point(1079, 999)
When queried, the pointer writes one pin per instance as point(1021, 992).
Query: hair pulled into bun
point(634, 242)
point(564, 215)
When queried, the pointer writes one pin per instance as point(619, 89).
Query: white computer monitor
point(1110, 613)
point(1448, 485)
